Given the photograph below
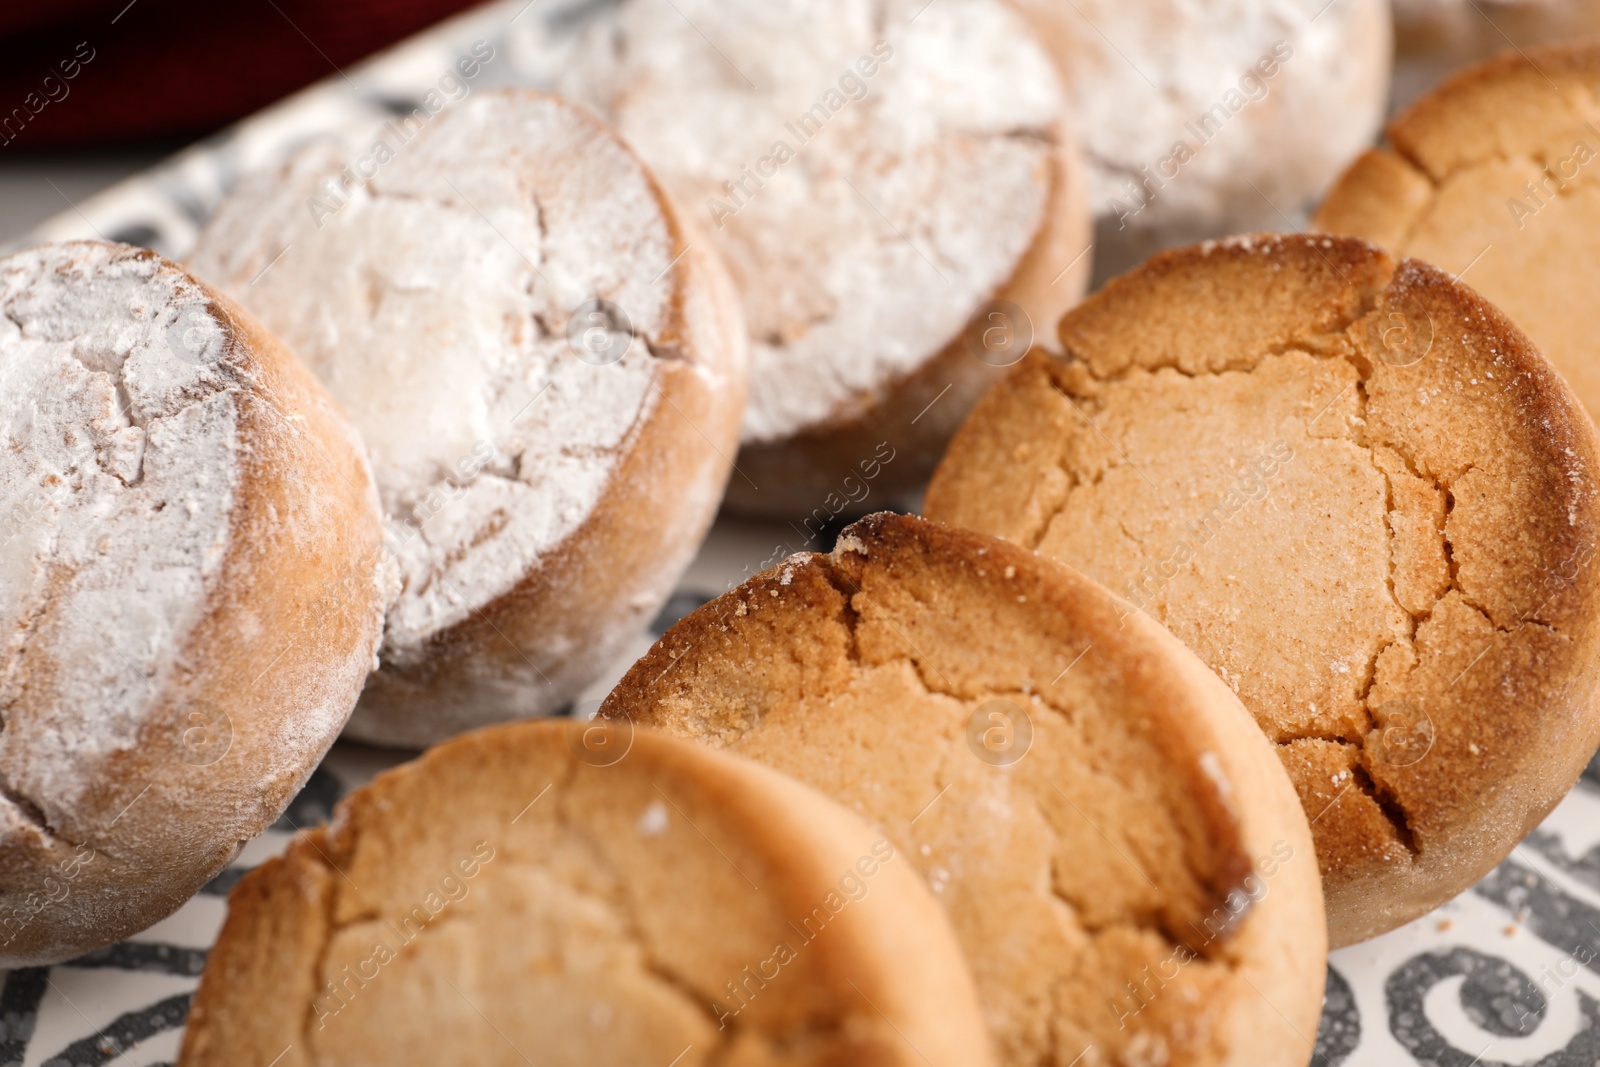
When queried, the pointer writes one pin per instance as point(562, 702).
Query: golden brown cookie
point(573, 894)
point(1121, 855)
point(191, 584)
point(1432, 38)
point(1495, 176)
point(1364, 499)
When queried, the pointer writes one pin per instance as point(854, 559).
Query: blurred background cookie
point(893, 191)
point(1119, 851)
point(1200, 119)
point(1359, 493)
point(548, 368)
point(597, 896)
point(1434, 37)
point(1495, 177)
point(192, 587)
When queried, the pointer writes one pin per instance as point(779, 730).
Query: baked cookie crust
point(568, 894)
point(1121, 856)
point(1359, 493)
point(1495, 176)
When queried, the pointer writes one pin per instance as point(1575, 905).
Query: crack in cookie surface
point(1344, 530)
point(860, 698)
point(583, 904)
point(1382, 537)
point(456, 274)
point(1132, 389)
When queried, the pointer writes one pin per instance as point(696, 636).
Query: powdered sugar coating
point(119, 455)
point(1295, 88)
point(191, 586)
point(902, 204)
point(434, 301)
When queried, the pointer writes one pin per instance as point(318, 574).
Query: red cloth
point(175, 69)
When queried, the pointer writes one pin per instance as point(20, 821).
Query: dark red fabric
point(175, 69)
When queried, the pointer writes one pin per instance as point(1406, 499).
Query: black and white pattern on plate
point(126, 1004)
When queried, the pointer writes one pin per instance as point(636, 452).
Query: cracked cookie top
point(1495, 176)
point(190, 583)
point(1119, 851)
point(581, 894)
point(1364, 499)
point(488, 293)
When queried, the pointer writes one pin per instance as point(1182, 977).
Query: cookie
point(1364, 499)
point(894, 193)
point(1493, 177)
point(571, 894)
point(1435, 37)
point(1247, 111)
point(1120, 853)
point(548, 368)
point(191, 582)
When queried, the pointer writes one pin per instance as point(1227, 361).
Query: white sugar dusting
point(872, 171)
point(849, 543)
point(1240, 105)
point(435, 303)
point(119, 457)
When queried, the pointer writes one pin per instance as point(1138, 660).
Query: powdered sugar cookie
point(1246, 110)
point(890, 185)
point(192, 586)
point(548, 370)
